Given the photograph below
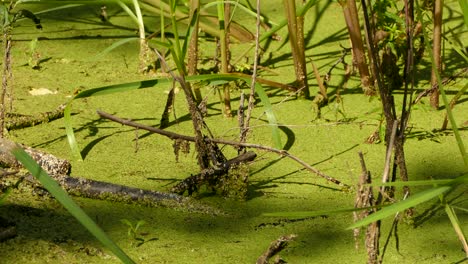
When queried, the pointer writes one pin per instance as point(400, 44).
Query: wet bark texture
point(59, 170)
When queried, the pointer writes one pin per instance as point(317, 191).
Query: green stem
point(179, 60)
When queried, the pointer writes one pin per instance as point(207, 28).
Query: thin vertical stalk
point(193, 47)
point(223, 38)
point(436, 50)
point(461, 145)
point(296, 40)
point(177, 55)
point(246, 122)
point(359, 58)
point(6, 76)
point(201, 147)
point(386, 97)
point(146, 60)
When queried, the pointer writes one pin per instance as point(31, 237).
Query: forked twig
point(173, 135)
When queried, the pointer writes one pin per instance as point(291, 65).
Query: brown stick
point(245, 127)
point(173, 135)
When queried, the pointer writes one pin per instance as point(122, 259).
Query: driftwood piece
point(209, 176)
point(59, 169)
point(274, 248)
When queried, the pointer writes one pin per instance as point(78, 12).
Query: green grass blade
point(459, 180)
point(70, 134)
point(52, 186)
point(129, 12)
point(464, 9)
point(188, 35)
point(237, 5)
point(456, 226)
point(270, 115)
point(412, 201)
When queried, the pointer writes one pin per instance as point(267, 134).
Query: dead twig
point(445, 81)
point(173, 135)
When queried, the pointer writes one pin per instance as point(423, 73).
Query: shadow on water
point(255, 189)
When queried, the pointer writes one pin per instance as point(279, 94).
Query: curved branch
point(173, 135)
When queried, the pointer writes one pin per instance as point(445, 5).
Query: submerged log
point(59, 170)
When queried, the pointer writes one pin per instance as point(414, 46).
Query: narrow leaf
point(400, 206)
point(53, 187)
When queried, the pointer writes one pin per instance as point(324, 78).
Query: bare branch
point(173, 135)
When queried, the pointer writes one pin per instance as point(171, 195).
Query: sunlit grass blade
point(52, 186)
point(270, 115)
point(70, 134)
point(464, 8)
point(459, 180)
point(412, 201)
point(457, 227)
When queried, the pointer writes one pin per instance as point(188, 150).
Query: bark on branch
point(58, 169)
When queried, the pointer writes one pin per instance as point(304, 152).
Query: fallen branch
point(274, 248)
point(173, 135)
point(93, 189)
point(58, 169)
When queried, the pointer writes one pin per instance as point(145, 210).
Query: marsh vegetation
point(233, 131)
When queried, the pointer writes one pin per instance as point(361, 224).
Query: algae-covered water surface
point(51, 65)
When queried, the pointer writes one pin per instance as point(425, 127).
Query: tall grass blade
point(52, 186)
point(400, 206)
point(457, 227)
point(464, 9)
